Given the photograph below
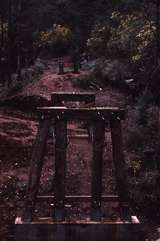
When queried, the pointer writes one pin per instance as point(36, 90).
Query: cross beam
point(58, 97)
point(103, 113)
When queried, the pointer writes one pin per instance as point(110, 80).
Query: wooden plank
point(98, 142)
point(79, 198)
point(72, 96)
point(60, 167)
point(36, 167)
point(79, 136)
point(83, 113)
point(119, 162)
point(49, 220)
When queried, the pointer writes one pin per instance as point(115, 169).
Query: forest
point(111, 48)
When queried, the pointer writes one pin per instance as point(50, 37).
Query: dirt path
point(17, 134)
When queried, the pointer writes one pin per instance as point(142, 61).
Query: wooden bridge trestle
point(98, 117)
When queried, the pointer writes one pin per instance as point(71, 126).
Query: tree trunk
point(9, 40)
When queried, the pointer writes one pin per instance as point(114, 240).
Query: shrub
point(56, 39)
point(103, 72)
point(140, 143)
point(28, 75)
point(127, 36)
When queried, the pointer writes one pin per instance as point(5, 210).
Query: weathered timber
point(83, 113)
point(60, 167)
point(119, 162)
point(61, 66)
point(58, 97)
point(36, 168)
point(79, 198)
point(98, 142)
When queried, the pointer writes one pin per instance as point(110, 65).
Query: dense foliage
point(127, 36)
point(123, 29)
point(57, 39)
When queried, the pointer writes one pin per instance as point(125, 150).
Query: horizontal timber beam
point(72, 95)
point(82, 113)
point(79, 198)
point(59, 97)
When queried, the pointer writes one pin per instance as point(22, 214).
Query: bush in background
point(27, 75)
point(57, 40)
point(102, 72)
point(141, 141)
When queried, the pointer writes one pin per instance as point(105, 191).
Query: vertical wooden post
point(55, 102)
point(76, 61)
point(36, 168)
point(61, 66)
point(60, 168)
point(120, 169)
point(90, 101)
point(98, 142)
